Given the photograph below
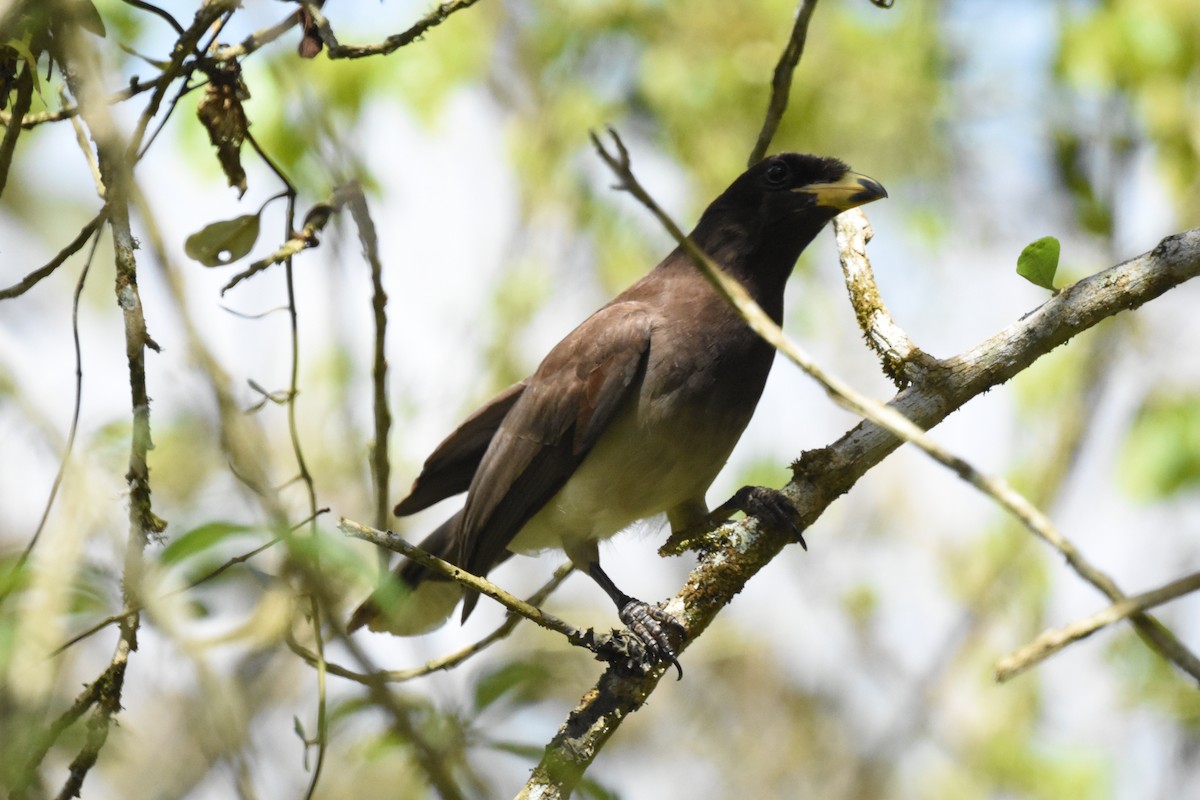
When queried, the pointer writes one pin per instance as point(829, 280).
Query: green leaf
point(1039, 261)
point(1161, 453)
point(201, 539)
point(223, 242)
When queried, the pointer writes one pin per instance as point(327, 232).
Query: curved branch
point(391, 44)
point(1051, 641)
point(897, 353)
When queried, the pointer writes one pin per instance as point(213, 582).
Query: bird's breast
point(667, 442)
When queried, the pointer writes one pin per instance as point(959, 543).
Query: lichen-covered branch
point(897, 353)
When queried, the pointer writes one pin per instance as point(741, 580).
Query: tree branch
point(73, 247)
point(473, 582)
point(1055, 639)
point(897, 353)
point(392, 43)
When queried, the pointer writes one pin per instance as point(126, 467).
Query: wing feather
point(449, 469)
point(565, 408)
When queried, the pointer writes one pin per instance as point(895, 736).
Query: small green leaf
point(223, 242)
point(200, 539)
point(1039, 261)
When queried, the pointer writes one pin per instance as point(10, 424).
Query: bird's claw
point(770, 506)
point(649, 624)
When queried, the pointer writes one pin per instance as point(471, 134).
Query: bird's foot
point(770, 506)
point(650, 625)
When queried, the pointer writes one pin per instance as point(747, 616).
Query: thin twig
point(256, 40)
point(391, 44)
point(135, 88)
point(453, 659)
point(81, 140)
point(78, 404)
point(296, 241)
point(315, 608)
point(159, 12)
point(1051, 641)
point(72, 247)
point(380, 465)
point(473, 582)
point(781, 80)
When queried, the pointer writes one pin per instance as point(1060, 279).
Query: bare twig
point(43, 741)
point(70, 445)
point(115, 169)
point(473, 582)
point(297, 241)
point(781, 80)
point(158, 12)
point(256, 40)
point(136, 87)
point(391, 44)
point(73, 247)
point(454, 659)
point(1051, 641)
point(380, 466)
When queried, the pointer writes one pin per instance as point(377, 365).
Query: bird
point(631, 415)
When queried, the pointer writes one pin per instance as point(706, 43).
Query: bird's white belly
point(635, 471)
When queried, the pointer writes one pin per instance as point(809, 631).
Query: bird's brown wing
point(565, 407)
point(449, 469)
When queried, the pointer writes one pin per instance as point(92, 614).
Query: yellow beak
point(849, 191)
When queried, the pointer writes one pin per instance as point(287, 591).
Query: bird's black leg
point(769, 505)
point(648, 623)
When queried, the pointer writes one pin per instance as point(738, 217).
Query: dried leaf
point(222, 115)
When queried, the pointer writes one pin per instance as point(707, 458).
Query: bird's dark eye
point(778, 174)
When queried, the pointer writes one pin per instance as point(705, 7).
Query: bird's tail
point(414, 600)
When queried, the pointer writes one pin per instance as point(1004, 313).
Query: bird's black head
point(757, 228)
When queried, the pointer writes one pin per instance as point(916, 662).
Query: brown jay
point(632, 414)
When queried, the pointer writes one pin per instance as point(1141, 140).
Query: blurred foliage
point(1146, 53)
point(692, 80)
point(687, 85)
point(1161, 453)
